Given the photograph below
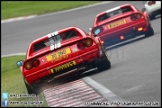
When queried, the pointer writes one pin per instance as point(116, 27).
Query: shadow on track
point(126, 42)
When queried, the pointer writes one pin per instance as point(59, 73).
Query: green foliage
point(11, 9)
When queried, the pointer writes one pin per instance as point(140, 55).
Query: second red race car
point(121, 23)
point(59, 53)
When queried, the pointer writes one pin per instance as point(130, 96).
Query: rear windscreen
point(114, 13)
point(55, 39)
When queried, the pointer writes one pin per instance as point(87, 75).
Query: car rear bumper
point(127, 32)
point(155, 12)
point(80, 60)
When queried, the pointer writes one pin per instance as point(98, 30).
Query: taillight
point(35, 62)
point(85, 43)
point(135, 16)
point(121, 37)
point(80, 45)
point(151, 2)
point(30, 64)
point(88, 42)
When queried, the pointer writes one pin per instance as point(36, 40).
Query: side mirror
point(19, 63)
point(97, 30)
point(143, 9)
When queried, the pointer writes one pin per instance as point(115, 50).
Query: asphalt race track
point(136, 66)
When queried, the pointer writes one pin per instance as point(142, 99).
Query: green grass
point(11, 9)
point(12, 80)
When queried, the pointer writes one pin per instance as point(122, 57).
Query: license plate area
point(63, 67)
point(117, 23)
point(58, 54)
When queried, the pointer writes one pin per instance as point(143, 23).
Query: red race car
point(60, 53)
point(121, 23)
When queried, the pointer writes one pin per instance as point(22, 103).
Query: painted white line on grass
point(105, 92)
point(15, 54)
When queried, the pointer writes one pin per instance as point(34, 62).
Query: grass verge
point(12, 83)
point(10, 9)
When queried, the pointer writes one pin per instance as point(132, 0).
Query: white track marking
point(72, 94)
point(18, 19)
point(74, 9)
point(132, 89)
point(103, 90)
point(15, 54)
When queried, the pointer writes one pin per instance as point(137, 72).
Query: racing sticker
point(113, 9)
point(57, 45)
point(57, 40)
point(49, 35)
point(55, 33)
point(52, 47)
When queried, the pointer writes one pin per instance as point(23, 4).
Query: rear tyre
point(104, 63)
point(152, 17)
point(149, 32)
point(30, 88)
